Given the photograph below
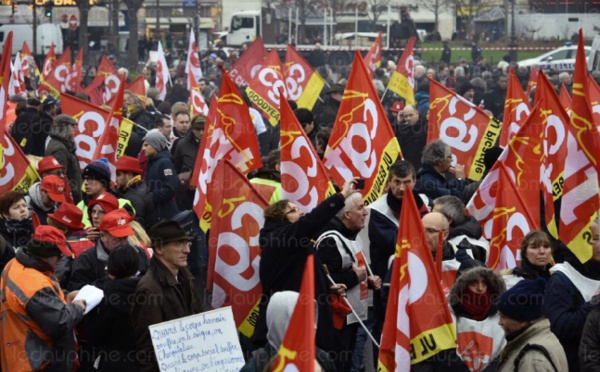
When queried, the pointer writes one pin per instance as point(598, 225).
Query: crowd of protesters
point(74, 227)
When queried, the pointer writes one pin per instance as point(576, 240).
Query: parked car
point(562, 59)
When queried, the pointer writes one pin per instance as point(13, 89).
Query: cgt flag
point(265, 88)
point(402, 81)
point(303, 83)
point(49, 63)
point(193, 61)
point(60, 77)
point(17, 79)
point(419, 324)
point(362, 142)
point(516, 109)
point(373, 57)
point(304, 180)
point(77, 73)
point(466, 128)
point(565, 99)
point(162, 73)
point(533, 80)
point(234, 249)
point(197, 104)
point(297, 351)
point(28, 62)
point(105, 84)
point(249, 63)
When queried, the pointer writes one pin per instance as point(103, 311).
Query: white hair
point(349, 203)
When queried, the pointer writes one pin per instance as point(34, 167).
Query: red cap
point(48, 163)
point(129, 164)
point(68, 215)
point(107, 201)
point(55, 187)
point(397, 106)
point(49, 234)
point(116, 223)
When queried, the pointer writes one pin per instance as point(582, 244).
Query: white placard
point(91, 295)
point(198, 343)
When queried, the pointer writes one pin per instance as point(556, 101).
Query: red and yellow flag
point(402, 81)
point(418, 321)
point(246, 67)
point(49, 63)
point(466, 128)
point(137, 87)
point(533, 80)
point(197, 104)
point(303, 83)
point(297, 351)
point(77, 73)
point(104, 85)
point(362, 142)
point(565, 99)
point(516, 109)
point(373, 57)
point(594, 94)
point(17, 80)
point(234, 249)
point(304, 180)
point(265, 88)
point(59, 78)
point(28, 63)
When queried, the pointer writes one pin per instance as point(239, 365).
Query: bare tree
point(375, 9)
point(436, 7)
point(472, 7)
point(132, 50)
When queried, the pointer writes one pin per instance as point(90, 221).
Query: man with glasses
point(167, 290)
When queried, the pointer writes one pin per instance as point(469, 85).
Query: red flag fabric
point(362, 142)
point(60, 76)
point(49, 63)
point(234, 249)
point(28, 62)
point(136, 87)
point(162, 73)
point(533, 79)
point(373, 57)
point(297, 351)
point(466, 128)
point(246, 67)
point(77, 73)
point(303, 83)
point(17, 80)
point(418, 321)
point(402, 81)
point(594, 94)
point(193, 62)
point(197, 104)
point(265, 88)
point(232, 138)
point(304, 180)
point(105, 84)
point(565, 99)
point(516, 109)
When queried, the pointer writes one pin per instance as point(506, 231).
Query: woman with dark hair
point(536, 251)
point(16, 224)
point(110, 326)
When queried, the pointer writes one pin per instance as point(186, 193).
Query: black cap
point(167, 231)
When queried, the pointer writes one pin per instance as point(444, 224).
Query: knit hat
point(465, 88)
point(98, 170)
point(156, 139)
point(48, 241)
point(524, 301)
point(129, 164)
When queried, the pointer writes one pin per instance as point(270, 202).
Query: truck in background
point(47, 33)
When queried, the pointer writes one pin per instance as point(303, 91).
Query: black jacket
point(589, 357)
point(434, 185)
point(472, 229)
point(16, 233)
point(40, 130)
point(494, 102)
point(146, 120)
point(329, 254)
point(412, 140)
point(21, 128)
point(163, 184)
point(139, 196)
point(184, 154)
point(64, 152)
point(285, 247)
point(330, 111)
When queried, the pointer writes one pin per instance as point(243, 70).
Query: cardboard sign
point(201, 342)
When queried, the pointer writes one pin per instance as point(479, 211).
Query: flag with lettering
point(373, 57)
point(304, 179)
point(565, 99)
point(17, 79)
point(297, 351)
point(466, 128)
point(197, 104)
point(402, 81)
point(303, 83)
point(28, 62)
point(232, 138)
point(246, 67)
point(594, 94)
point(418, 320)
point(162, 73)
point(105, 84)
point(137, 87)
point(77, 73)
point(265, 88)
point(234, 249)
point(193, 60)
point(533, 79)
point(516, 109)
point(59, 79)
point(49, 63)
point(362, 142)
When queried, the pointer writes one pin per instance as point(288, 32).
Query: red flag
point(402, 81)
point(362, 141)
point(105, 84)
point(17, 80)
point(137, 87)
point(265, 89)
point(234, 247)
point(246, 67)
point(297, 351)
point(28, 62)
point(533, 80)
point(77, 73)
point(193, 62)
point(516, 109)
point(60, 75)
point(466, 128)
point(162, 73)
point(197, 104)
point(565, 99)
point(303, 83)
point(373, 57)
point(232, 138)
point(418, 321)
point(49, 63)
point(304, 180)
point(594, 94)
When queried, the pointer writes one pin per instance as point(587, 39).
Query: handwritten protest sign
point(201, 342)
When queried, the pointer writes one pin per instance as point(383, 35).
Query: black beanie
point(524, 301)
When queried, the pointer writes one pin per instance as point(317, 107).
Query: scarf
point(134, 180)
point(477, 305)
point(36, 197)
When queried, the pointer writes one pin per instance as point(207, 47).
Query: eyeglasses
point(293, 210)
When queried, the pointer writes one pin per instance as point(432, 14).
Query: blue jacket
point(164, 184)
point(434, 185)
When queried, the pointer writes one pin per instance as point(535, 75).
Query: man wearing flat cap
point(167, 290)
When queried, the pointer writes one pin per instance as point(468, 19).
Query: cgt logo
point(296, 76)
point(299, 175)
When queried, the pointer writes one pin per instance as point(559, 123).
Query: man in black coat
point(130, 186)
point(431, 181)
point(411, 133)
point(184, 156)
point(331, 106)
point(494, 100)
point(22, 126)
point(40, 129)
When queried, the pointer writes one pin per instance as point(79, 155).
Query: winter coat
point(163, 184)
point(16, 233)
point(285, 248)
point(145, 119)
point(494, 102)
point(64, 152)
point(537, 334)
point(111, 328)
point(589, 349)
point(21, 128)
point(184, 154)
point(467, 236)
point(40, 130)
point(6, 253)
point(330, 111)
point(434, 184)
point(160, 297)
point(412, 140)
point(139, 196)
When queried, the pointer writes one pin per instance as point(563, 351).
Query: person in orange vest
point(267, 180)
point(37, 318)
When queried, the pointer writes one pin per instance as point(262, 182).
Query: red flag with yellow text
point(28, 63)
point(533, 80)
point(49, 63)
point(362, 142)
point(77, 73)
point(105, 85)
point(297, 351)
point(265, 88)
point(516, 109)
point(59, 78)
point(137, 87)
point(565, 99)
point(246, 67)
point(402, 81)
point(302, 82)
point(418, 321)
point(373, 57)
point(234, 249)
point(197, 104)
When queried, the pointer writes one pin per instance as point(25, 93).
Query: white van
point(594, 58)
point(47, 33)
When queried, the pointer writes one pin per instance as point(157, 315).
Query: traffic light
point(48, 8)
